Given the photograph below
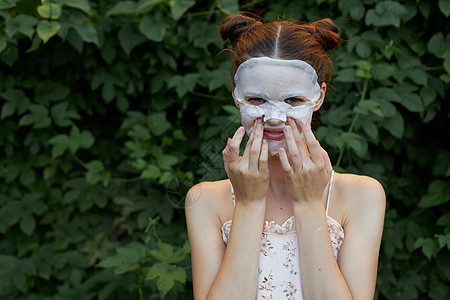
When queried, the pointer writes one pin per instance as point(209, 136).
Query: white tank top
point(279, 269)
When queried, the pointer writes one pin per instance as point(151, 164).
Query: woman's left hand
point(307, 174)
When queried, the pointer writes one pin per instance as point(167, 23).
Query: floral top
point(279, 269)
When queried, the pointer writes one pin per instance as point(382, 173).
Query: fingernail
point(264, 142)
point(303, 122)
point(287, 128)
point(260, 126)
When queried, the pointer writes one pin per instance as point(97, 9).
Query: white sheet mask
point(275, 80)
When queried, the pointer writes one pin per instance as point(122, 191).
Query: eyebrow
point(257, 94)
point(293, 94)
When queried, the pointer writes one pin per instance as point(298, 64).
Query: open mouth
point(274, 134)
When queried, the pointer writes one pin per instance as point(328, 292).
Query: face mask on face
point(275, 89)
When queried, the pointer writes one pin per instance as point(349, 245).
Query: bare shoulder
point(360, 196)
point(209, 199)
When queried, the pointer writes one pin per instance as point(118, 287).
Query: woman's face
point(273, 90)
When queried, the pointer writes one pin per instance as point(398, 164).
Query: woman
point(285, 225)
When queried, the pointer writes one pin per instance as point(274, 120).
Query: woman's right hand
point(249, 174)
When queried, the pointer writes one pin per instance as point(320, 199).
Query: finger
point(263, 159)
point(233, 152)
point(250, 140)
point(326, 160)
point(225, 154)
point(255, 150)
point(295, 132)
point(285, 163)
point(292, 147)
point(312, 144)
point(298, 139)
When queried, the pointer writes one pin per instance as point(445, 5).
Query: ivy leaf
point(16, 101)
point(166, 275)
point(38, 117)
point(82, 5)
point(23, 24)
point(61, 143)
point(179, 7)
point(122, 8)
point(94, 168)
point(127, 259)
point(444, 6)
point(153, 27)
point(49, 10)
point(382, 71)
point(144, 5)
point(184, 84)
point(395, 125)
point(151, 172)
point(165, 161)
point(385, 13)
point(47, 29)
point(157, 123)
point(129, 38)
point(428, 246)
point(438, 194)
point(85, 28)
point(228, 6)
point(48, 90)
point(5, 4)
point(83, 139)
point(62, 116)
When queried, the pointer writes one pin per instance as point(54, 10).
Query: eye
point(294, 101)
point(255, 101)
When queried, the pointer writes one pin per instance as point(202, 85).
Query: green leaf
point(165, 161)
point(438, 194)
point(49, 10)
point(382, 71)
point(38, 117)
point(157, 123)
point(62, 115)
point(444, 240)
point(428, 246)
point(27, 224)
point(3, 42)
point(47, 29)
point(346, 75)
point(437, 45)
point(82, 5)
point(48, 90)
point(5, 4)
point(21, 23)
point(122, 8)
point(179, 7)
point(228, 6)
point(61, 143)
point(370, 128)
point(153, 27)
point(130, 37)
point(85, 28)
point(184, 84)
point(385, 13)
point(94, 167)
point(444, 6)
point(166, 276)
point(151, 172)
point(83, 139)
point(144, 5)
point(395, 125)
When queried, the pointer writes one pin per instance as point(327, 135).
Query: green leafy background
point(112, 110)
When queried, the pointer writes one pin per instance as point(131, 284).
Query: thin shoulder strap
point(232, 193)
point(329, 192)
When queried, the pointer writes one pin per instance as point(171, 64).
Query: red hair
point(282, 40)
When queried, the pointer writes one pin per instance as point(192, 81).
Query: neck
point(276, 178)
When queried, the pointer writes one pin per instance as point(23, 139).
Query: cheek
point(248, 117)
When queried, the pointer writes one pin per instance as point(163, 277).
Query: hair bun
point(326, 32)
point(232, 27)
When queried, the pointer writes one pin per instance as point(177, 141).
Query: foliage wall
point(111, 110)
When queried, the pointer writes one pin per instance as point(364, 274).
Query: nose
point(274, 122)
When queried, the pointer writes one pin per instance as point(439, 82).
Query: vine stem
point(355, 119)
